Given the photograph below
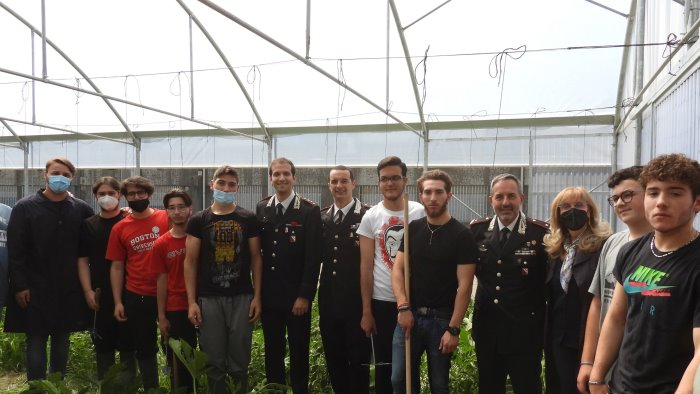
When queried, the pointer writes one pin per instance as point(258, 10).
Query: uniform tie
point(505, 232)
point(280, 211)
point(339, 217)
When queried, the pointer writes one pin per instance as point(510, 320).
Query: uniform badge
point(292, 239)
point(286, 230)
point(524, 271)
point(352, 235)
point(482, 248)
point(533, 242)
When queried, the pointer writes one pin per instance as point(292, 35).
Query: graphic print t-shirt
point(224, 254)
point(386, 228)
point(168, 256)
point(131, 241)
point(663, 297)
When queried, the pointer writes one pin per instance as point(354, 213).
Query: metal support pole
point(639, 76)
point(271, 145)
point(411, 72)
point(191, 71)
point(308, 28)
point(44, 69)
point(33, 82)
point(25, 173)
point(137, 155)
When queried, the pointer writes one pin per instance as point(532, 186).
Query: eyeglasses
point(177, 208)
point(139, 194)
point(567, 206)
point(393, 178)
point(625, 196)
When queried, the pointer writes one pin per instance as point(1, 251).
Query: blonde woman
point(576, 237)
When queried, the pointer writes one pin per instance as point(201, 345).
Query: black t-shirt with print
point(224, 255)
point(663, 307)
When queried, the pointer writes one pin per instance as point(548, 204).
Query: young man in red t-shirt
point(168, 258)
point(129, 246)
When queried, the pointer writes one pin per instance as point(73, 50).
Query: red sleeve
point(158, 256)
point(115, 249)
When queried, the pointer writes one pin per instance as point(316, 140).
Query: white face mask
point(107, 203)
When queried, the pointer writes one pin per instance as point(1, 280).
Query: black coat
point(43, 239)
point(510, 298)
point(582, 271)
point(339, 290)
point(291, 251)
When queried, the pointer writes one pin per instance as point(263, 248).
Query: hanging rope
point(497, 69)
point(421, 83)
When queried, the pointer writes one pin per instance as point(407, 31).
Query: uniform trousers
point(275, 323)
point(523, 368)
point(346, 349)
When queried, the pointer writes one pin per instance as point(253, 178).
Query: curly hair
point(673, 167)
point(593, 238)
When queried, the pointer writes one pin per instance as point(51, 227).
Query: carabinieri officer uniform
point(291, 242)
point(346, 348)
point(508, 322)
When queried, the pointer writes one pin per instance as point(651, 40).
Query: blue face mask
point(58, 183)
point(224, 198)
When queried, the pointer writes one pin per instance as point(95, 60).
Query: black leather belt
point(441, 313)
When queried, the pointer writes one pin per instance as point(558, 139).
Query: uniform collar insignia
point(521, 227)
point(358, 206)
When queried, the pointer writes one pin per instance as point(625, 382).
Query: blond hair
point(594, 236)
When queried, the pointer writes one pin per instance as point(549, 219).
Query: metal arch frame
point(74, 65)
point(297, 56)
point(24, 145)
point(424, 131)
point(472, 124)
point(228, 66)
point(123, 101)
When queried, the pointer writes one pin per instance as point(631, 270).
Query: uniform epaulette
point(539, 223)
point(267, 198)
point(480, 220)
point(326, 208)
point(306, 200)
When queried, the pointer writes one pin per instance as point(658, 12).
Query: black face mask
point(574, 219)
point(139, 205)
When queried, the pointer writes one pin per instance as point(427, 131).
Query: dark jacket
point(582, 271)
point(510, 297)
point(291, 251)
point(339, 290)
point(43, 238)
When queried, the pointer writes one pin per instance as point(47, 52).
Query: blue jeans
point(36, 354)
point(425, 337)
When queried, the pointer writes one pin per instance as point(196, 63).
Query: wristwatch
point(453, 331)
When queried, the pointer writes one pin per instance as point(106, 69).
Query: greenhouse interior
point(558, 93)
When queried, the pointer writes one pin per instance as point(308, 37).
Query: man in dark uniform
point(291, 243)
point(346, 348)
point(508, 325)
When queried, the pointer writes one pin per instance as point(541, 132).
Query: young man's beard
point(438, 213)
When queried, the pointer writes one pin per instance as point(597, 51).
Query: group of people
point(611, 313)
